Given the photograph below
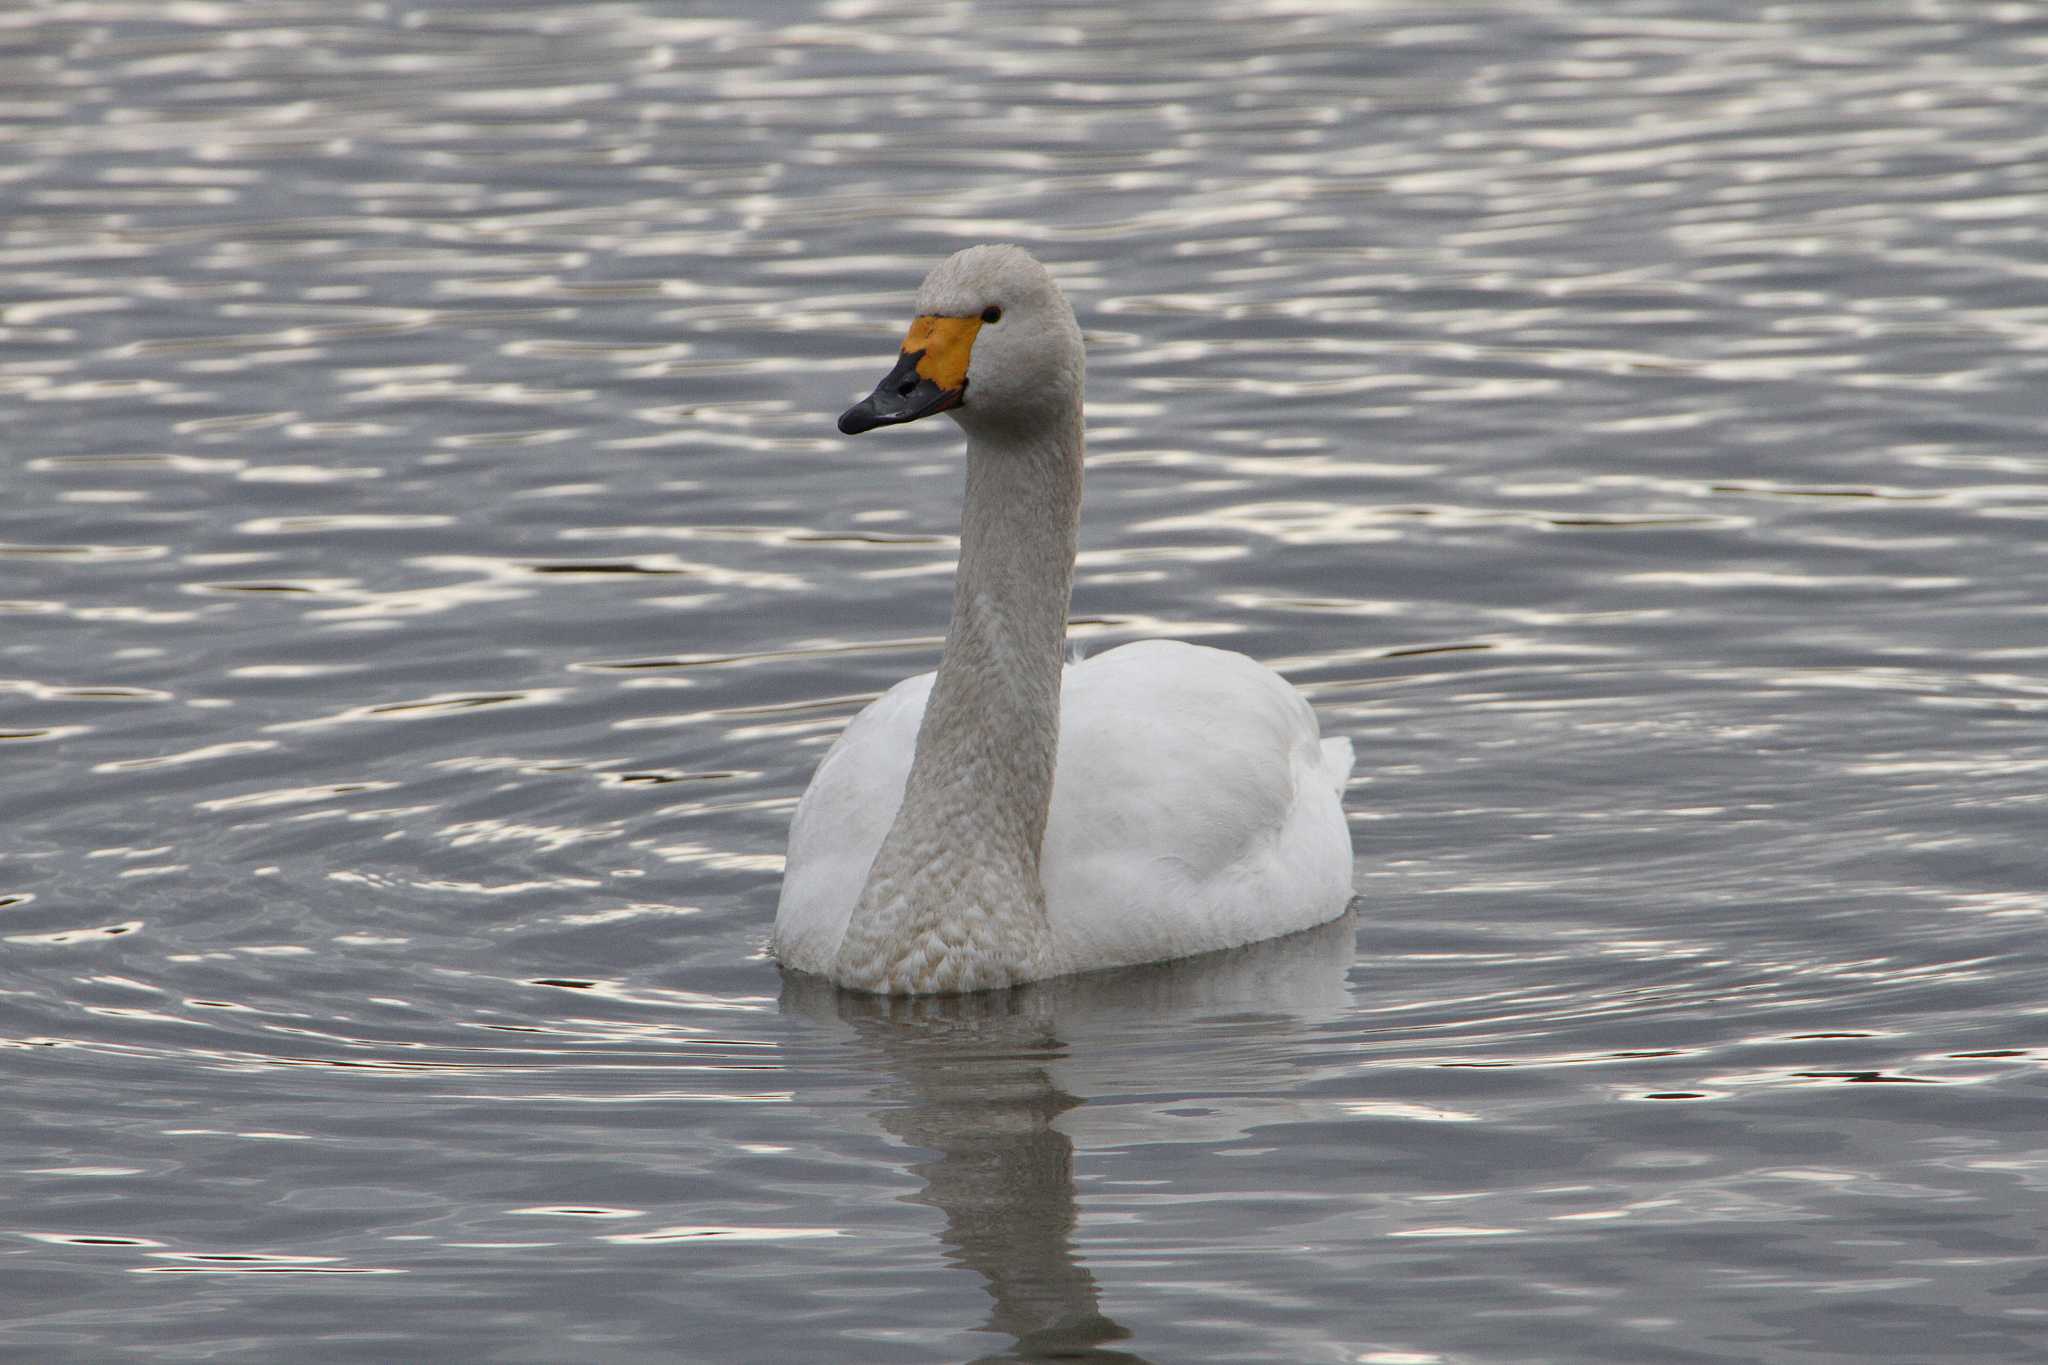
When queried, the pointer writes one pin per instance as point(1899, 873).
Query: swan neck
point(995, 706)
point(1018, 533)
point(953, 900)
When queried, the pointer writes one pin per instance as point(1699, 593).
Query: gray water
point(430, 575)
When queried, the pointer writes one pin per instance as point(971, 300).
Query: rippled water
point(430, 573)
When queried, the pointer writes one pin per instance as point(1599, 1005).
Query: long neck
point(953, 901)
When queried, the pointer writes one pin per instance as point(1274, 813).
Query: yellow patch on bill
point(946, 343)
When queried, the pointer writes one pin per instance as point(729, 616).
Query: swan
point(1011, 817)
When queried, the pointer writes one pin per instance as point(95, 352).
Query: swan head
point(994, 343)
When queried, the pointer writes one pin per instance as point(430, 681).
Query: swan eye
point(991, 314)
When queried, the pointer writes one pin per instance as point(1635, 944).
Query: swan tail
point(1337, 761)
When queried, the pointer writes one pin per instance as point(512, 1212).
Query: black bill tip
point(860, 417)
point(904, 395)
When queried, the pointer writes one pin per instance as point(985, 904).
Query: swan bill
point(930, 376)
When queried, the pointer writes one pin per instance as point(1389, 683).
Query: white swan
point(1007, 818)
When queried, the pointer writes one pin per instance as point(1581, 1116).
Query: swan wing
point(840, 823)
point(1195, 806)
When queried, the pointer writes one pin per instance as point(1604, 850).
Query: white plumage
point(1008, 817)
point(1193, 807)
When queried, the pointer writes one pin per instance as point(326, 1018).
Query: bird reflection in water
point(993, 1087)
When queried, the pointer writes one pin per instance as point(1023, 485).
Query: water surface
point(429, 573)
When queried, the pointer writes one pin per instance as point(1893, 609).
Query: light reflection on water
point(428, 575)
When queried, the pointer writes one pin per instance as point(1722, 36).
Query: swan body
point(1010, 817)
point(1194, 807)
